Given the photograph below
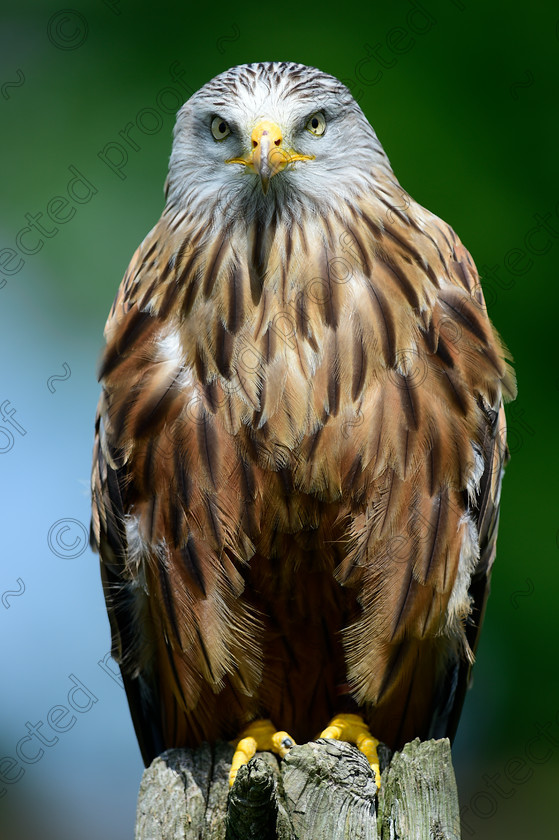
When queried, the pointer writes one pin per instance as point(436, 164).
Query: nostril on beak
point(277, 142)
point(254, 144)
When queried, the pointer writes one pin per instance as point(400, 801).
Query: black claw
point(287, 743)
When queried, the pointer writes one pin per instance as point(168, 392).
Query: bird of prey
point(300, 438)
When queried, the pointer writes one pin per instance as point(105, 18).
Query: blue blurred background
point(463, 96)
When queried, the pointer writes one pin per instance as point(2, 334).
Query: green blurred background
point(463, 95)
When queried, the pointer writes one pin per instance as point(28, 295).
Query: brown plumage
point(300, 438)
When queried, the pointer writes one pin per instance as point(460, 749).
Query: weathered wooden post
point(323, 790)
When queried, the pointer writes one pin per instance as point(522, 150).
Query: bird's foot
point(260, 735)
point(353, 730)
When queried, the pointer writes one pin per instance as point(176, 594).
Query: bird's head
point(272, 132)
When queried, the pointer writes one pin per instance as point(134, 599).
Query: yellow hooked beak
point(268, 156)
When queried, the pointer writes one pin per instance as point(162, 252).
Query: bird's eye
point(316, 124)
point(220, 128)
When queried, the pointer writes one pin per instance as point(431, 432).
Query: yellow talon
point(353, 730)
point(260, 735)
